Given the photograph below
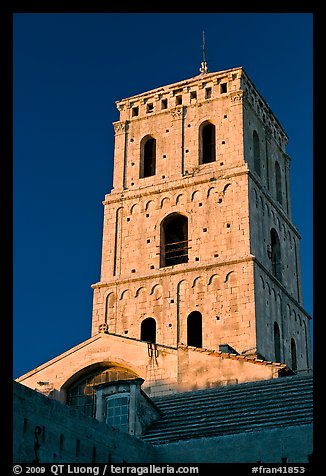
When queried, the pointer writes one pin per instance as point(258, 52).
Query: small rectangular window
point(164, 104)
point(224, 88)
point(150, 107)
point(178, 100)
point(208, 93)
point(117, 411)
point(193, 95)
point(134, 111)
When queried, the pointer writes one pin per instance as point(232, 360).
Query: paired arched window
point(277, 343)
point(256, 148)
point(194, 329)
point(207, 150)
point(294, 364)
point(207, 143)
point(278, 182)
point(276, 255)
point(148, 330)
point(174, 240)
point(147, 157)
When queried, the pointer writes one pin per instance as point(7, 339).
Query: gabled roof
point(245, 407)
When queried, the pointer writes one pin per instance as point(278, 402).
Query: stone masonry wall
point(277, 300)
point(164, 369)
point(66, 436)
point(278, 445)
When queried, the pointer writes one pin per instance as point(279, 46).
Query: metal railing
point(174, 253)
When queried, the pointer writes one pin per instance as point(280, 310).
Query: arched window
point(194, 329)
point(276, 255)
point(306, 342)
point(109, 304)
point(174, 240)
point(147, 157)
point(293, 355)
point(148, 330)
point(256, 152)
point(81, 394)
point(277, 343)
point(278, 182)
point(207, 143)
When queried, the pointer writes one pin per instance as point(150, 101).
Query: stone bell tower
point(198, 244)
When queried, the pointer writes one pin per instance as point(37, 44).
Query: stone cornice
point(210, 177)
point(180, 84)
point(169, 272)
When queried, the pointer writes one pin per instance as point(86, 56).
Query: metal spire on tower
point(204, 66)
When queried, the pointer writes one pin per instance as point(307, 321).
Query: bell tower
point(198, 244)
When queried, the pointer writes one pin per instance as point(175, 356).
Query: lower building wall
point(66, 436)
point(47, 431)
point(287, 445)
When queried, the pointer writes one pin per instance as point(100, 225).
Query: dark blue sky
point(69, 69)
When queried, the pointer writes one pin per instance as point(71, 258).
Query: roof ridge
point(230, 355)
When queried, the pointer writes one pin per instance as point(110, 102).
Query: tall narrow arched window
point(207, 143)
point(256, 148)
point(147, 157)
point(278, 182)
point(294, 364)
point(277, 343)
point(306, 342)
point(148, 330)
point(109, 305)
point(276, 255)
point(194, 329)
point(174, 240)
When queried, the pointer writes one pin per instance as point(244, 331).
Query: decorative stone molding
point(237, 97)
point(120, 127)
point(103, 328)
point(176, 113)
point(268, 133)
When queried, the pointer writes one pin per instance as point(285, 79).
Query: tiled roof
point(228, 355)
point(252, 406)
